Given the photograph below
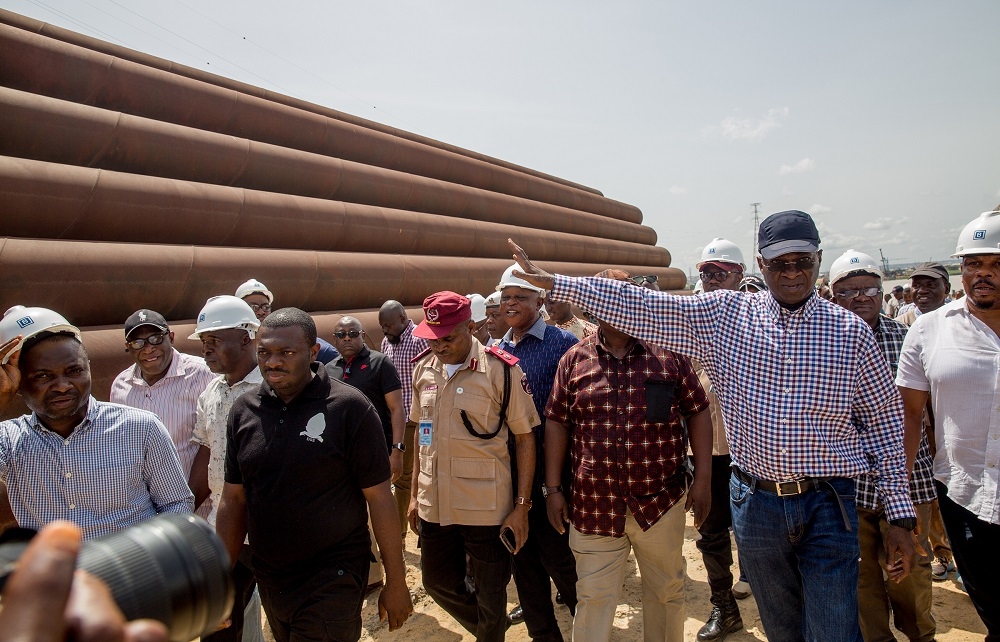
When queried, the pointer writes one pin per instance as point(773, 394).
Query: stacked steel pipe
point(128, 181)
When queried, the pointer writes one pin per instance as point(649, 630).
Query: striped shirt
point(116, 469)
point(402, 354)
point(174, 399)
point(804, 393)
point(210, 428)
point(889, 335)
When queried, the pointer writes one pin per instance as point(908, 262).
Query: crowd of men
point(852, 454)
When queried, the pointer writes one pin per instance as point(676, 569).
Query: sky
point(881, 119)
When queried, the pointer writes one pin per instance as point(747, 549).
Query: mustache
point(61, 397)
point(277, 370)
point(983, 282)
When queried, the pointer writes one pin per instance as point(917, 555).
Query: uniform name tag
point(426, 430)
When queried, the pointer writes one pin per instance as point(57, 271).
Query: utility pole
point(885, 263)
point(756, 226)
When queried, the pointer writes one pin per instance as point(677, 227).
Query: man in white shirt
point(952, 356)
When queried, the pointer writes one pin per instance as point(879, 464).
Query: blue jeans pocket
point(738, 491)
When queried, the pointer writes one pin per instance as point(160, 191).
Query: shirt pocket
point(474, 483)
point(477, 412)
point(659, 399)
point(425, 481)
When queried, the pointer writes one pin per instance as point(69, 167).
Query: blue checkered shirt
point(804, 393)
point(402, 354)
point(116, 469)
point(889, 335)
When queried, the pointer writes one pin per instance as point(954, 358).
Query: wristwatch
point(523, 500)
point(551, 490)
point(909, 523)
point(401, 447)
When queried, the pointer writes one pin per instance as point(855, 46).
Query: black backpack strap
point(503, 409)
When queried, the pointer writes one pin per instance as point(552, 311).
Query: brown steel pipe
point(48, 129)
point(100, 283)
point(42, 65)
point(48, 200)
point(72, 37)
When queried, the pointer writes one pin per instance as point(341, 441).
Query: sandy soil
point(956, 617)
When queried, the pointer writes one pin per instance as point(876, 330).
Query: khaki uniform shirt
point(719, 444)
point(464, 479)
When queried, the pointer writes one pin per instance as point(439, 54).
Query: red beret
point(442, 312)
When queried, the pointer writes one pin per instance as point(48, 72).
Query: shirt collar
point(805, 310)
point(638, 345)
point(536, 330)
point(359, 357)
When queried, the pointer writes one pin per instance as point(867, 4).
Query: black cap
point(143, 317)
point(787, 232)
point(933, 270)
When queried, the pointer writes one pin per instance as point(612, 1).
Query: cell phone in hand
point(507, 537)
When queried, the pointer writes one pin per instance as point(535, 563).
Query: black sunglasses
point(639, 280)
point(153, 340)
point(342, 334)
point(716, 276)
point(848, 295)
point(798, 265)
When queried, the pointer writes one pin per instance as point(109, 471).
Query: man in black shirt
point(305, 462)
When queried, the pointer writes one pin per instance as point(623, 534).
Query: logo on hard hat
point(979, 235)
point(711, 250)
point(201, 317)
point(432, 315)
point(24, 322)
point(855, 259)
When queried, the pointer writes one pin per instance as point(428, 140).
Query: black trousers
point(443, 565)
point(244, 584)
point(715, 544)
point(545, 555)
point(976, 547)
point(326, 606)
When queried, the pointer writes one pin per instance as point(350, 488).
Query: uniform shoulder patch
point(502, 355)
point(420, 356)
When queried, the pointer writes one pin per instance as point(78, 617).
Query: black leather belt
point(783, 489)
point(793, 488)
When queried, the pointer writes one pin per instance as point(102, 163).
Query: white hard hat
point(478, 307)
point(253, 286)
point(493, 300)
point(28, 322)
point(222, 312)
point(981, 236)
point(721, 251)
point(854, 261)
point(508, 280)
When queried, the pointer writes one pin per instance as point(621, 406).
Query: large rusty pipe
point(41, 65)
point(100, 283)
point(48, 129)
point(72, 37)
point(48, 200)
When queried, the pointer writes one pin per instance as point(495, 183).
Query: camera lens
point(172, 568)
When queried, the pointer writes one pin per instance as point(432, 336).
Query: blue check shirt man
point(805, 393)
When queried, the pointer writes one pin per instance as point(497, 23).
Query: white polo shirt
point(956, 357)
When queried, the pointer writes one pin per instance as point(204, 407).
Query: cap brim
point(162, 328)
point(787, 247)
point(722, 265)
point(424, 331)
point(855, 272)
point(934, 274)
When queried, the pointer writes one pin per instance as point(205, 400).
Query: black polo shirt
point(302, 466)
point(374, 374)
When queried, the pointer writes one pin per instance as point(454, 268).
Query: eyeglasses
point(848, 295)
point(153, 340)
point(342, 334)
point(639, 280)
point(716, 276)
point(798, 265)
point(260, 307)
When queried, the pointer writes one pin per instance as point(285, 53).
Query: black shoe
point(722, 622)
point(558, 597)
point(516, 615)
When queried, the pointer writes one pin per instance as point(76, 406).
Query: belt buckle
point(798, 488)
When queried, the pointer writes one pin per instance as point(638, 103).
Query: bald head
point(393, 321)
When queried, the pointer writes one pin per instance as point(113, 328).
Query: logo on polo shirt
point(314, 428)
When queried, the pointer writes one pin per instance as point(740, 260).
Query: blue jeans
point(801, 560)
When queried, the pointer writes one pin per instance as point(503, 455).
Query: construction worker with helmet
point(17, 326)
point(856, 282)
point(226, 327)
point(951, 357)
point(721, 268)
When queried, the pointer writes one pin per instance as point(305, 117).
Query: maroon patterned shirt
point(627, 453)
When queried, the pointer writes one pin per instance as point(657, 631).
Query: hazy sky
point(882, 119)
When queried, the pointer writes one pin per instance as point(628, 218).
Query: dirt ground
point(956, 618)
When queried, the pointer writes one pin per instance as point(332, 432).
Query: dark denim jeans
point(442, 564)
point(801, 560)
